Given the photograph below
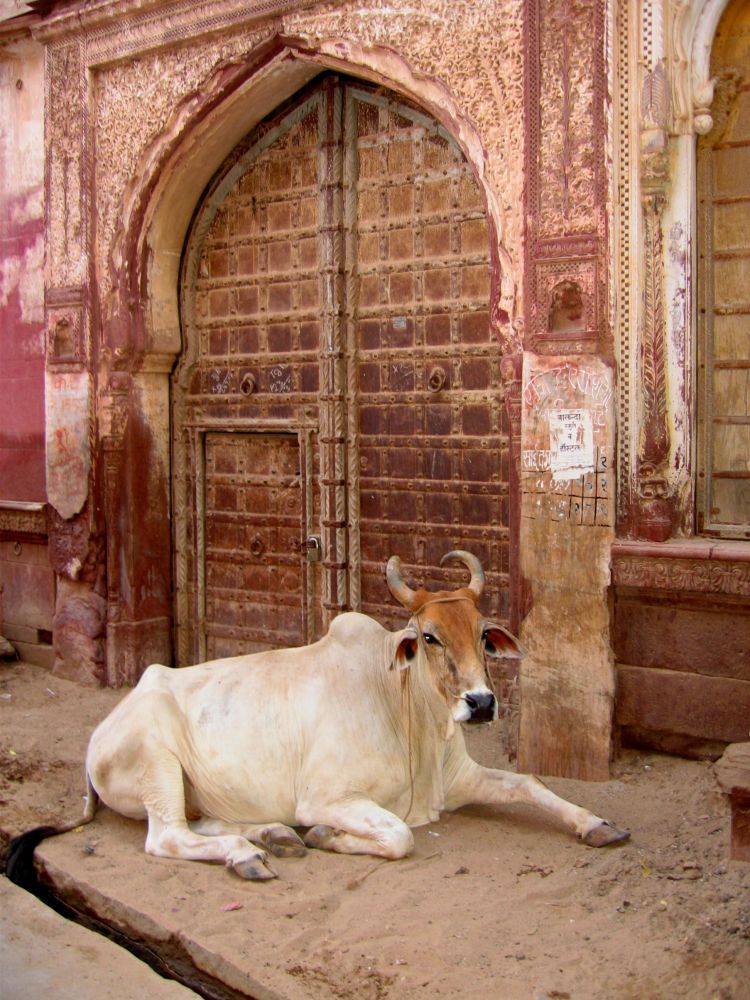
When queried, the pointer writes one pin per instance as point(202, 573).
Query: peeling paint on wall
point(21, 273)
point(68, 451)
point(24, 274)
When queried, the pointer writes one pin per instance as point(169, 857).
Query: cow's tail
point(19, 860)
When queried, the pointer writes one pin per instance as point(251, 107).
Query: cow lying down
point(355, 738)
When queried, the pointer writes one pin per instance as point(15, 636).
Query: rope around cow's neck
point(415, 613)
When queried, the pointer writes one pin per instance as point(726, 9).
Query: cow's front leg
point(357, 826)
point(468, 783)
point(178, 841)
point(280, 840)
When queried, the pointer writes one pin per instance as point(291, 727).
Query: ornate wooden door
point(339, 397)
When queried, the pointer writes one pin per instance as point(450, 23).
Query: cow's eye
point(430, 639)
point(488, 644)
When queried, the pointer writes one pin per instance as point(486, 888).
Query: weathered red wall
point(27, 585)
point(21, 373)
point(22, 466)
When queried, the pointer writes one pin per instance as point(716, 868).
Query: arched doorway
point(338, 398)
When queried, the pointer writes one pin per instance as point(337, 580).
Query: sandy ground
point(490, 905)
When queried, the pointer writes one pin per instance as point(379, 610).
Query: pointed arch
point(139, 303)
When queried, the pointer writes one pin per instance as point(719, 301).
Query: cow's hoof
point(319, 836)
point(605, 834)
point(254, 870)
point(283, 842)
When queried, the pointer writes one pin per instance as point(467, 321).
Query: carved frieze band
point(697, 575)
point(565, 170)
point(124, 29)
point(16, 521)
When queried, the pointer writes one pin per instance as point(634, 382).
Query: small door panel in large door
point(254, 522)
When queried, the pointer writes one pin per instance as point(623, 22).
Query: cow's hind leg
point(468, 783)
point(358, 826)
point(280, 840)
point(169, 835)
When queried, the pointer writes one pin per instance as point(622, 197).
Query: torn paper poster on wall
point(571, 443)
point(566, 438)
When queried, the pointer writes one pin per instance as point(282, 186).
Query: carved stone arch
point(140, 317)
point(203, 130)
point(695, 26)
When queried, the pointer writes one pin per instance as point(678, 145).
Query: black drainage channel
point(170, 959)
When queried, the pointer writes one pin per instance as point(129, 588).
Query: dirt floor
point(490, 905)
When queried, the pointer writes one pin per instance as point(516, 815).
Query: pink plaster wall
point(22, 464)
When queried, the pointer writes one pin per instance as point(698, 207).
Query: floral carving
point(565, 167)
point(702, 575)
point(655, 436)
point(567, 156)
point(135, 99)
point(134, 102)
point(65, 121)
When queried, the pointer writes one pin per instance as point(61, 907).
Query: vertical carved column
point(511, 370)
point(566, 247)
point(75, 537)
point(333, 397)
point(567, 678)
point(654, 444)
point(66, 206)
point(114, 414)
point(653, 518)
point(66, 306)
point(506, 678)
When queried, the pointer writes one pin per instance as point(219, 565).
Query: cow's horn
point(403, 594)
point(476, 584)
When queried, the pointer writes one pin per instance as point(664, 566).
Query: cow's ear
point(499, 642)
point(406, 648)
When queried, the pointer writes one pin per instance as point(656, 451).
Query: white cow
point(356, 738)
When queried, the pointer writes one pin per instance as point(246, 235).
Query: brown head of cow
point(454, 636)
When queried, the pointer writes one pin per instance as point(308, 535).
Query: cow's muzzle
point(482, 706)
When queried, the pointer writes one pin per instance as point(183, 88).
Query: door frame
point(336, 99)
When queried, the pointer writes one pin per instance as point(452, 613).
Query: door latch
point(314, 548)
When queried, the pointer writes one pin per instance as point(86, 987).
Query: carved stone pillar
point(75, 552)
point(566, 524)
point(652, 515)
point(566, 248)
point(136, 502)
point(664, 97)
